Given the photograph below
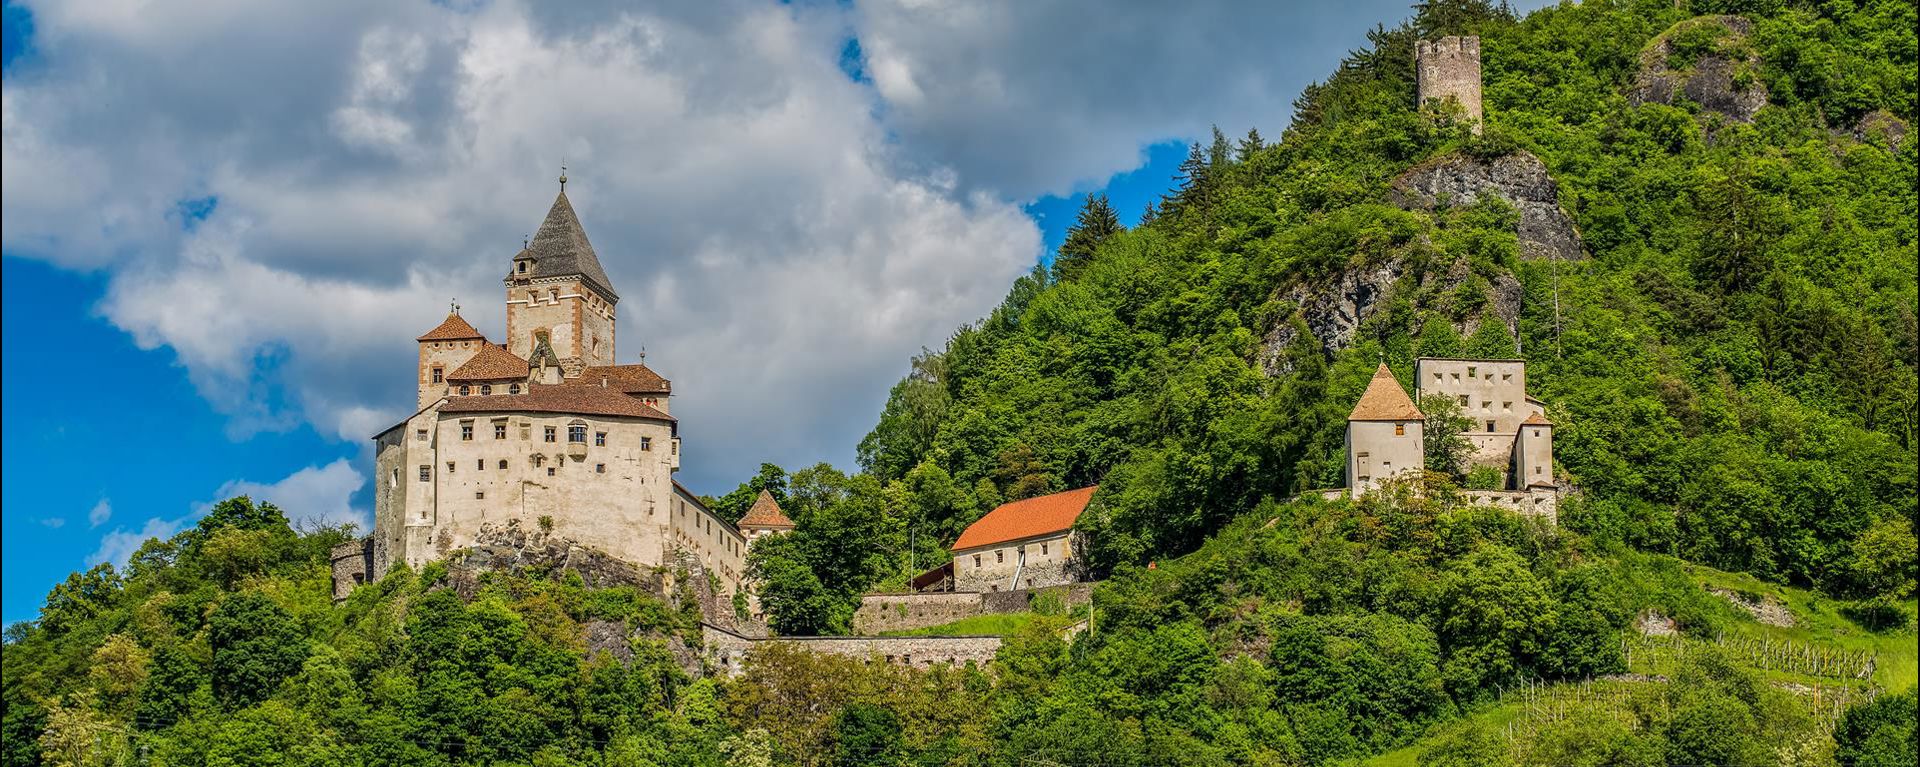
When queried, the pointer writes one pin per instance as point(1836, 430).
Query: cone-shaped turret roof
point(765, 513)
point(1385, 400)
point(560, 249)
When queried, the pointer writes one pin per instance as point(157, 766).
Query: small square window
point(549, 471)
point(500, 430)
point(1506, 376)
point(552, 434)
point(599, 439)
point(1399, 430)
point(1506, 407)
point(420, 434)
point(1490, 426)
point(449, 467)
point(1463, 400)
point(426, 473)
point(599, 468)
point(1470, 371)
point(1536, 470)
point(646, 443)
point(503, 464)
point(479, 495)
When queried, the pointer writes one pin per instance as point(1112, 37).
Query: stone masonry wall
point(728, 652)
point(352, 566)
point(1449, 68)
point(880, 613)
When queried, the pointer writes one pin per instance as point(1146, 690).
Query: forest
point(1730, 364)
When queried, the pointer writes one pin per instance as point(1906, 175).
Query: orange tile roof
point(765, 513)
point(1385, 400)
point(570, 400)
point(1026, 519)
point(454, 328)
point(1537, 419)
point(492, 363)
point(631, 379)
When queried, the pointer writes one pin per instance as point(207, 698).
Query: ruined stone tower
point(1449, 68)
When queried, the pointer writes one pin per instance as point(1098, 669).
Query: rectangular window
point(549, 471)
point(1536, 470)
point(420, 434)
point(466, 431)
point(599, 439)
point(500, 430)
point(426, 473)
point(552, 435)
point(1536, 432)
point(1043, 549)
point(1364, 454)
point(976, 560)
point(449, 467)
point(999, 556)
point(1470, 370)
point(1463, 400)
point(1399, 430)
point(1489, 426)
point(480, 464)
point(439, 375)
point(577, 433)
point(646, 443)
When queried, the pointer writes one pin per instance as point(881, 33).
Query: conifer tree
point(1096, 223)
point(1251, 145)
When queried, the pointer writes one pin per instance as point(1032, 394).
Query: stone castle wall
point(1449, 68)
point(728, 651)
point(880, 613)
point(352, 565)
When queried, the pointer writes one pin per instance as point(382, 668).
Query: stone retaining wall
point(728, 651)
point(881, 613)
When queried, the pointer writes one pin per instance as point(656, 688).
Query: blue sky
point(222, 231)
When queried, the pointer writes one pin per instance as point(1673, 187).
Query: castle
point(546, 429)
point(1448, 69)
point(1386, 431)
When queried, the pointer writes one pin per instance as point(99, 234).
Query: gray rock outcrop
point(1335, 309)
point(1713, 80)
point(1520, 179)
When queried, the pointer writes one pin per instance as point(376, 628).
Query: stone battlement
point(1448, 46)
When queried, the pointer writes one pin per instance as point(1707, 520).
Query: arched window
point(503, 463)
point(465, 390)
point(523, 267)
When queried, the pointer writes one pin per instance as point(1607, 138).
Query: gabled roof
point(560, 249)
point(569, 400)
point(765, 514)
point(631, 379)
point(492, 363)
point(1030, 518)
point(454, 328)
point(1385, 400)
point(1537, 419)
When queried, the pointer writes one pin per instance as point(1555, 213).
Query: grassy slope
point(1817, 622)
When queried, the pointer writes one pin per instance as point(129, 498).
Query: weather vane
point(563, 175)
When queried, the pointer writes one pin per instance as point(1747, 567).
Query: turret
point(443, 350)
point(556, 286)
point(1385, 434)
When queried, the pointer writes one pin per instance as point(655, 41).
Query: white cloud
point(118, 546)
point(319, 493)
point(54, 522)
point(100, 513)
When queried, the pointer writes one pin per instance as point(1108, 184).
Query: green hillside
point(1729, 359)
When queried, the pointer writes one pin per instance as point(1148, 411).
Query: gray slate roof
point(560, 249)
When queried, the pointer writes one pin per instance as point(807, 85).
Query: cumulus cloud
point(118, 546)
point(100, 513)
point(316, 493)
point(367, 162)
point(320, 494)
point(1031, 98)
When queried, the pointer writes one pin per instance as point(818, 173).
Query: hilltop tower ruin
point(1449, 68)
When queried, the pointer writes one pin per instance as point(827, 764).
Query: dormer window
point(486, 388)
point(523, 267)
point(513, 388)
point(465, 390)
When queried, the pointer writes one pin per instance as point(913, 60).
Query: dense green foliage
point(1731, 373)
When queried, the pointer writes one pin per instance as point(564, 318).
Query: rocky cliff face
point(1718, 79)
point(1335, 309)
point(1519, 179)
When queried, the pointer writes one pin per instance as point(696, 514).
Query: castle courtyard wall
point(728, 651)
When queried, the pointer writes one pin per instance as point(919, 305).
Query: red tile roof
point(454, 328)
point(566, 399)
point(1030, 518)
point(1385, 400)
point(631, 379)
point(1537, 419)
point(765, 513)
point(492, 363)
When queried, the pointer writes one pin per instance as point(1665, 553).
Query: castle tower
point(1385, 434)
point(556, 288)
point(443, 350)
point(764, 519)
point(1449, 68)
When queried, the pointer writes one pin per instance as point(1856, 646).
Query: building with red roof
point(1025, 544)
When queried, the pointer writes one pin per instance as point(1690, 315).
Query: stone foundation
point(728, 651)
point(881, 613)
